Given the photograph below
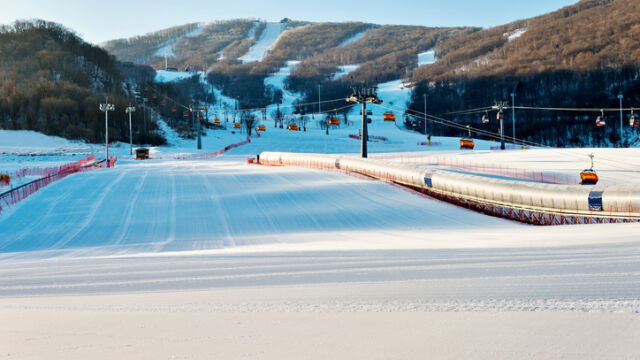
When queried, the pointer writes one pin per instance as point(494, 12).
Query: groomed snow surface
point(268, 37)
point(216, 258)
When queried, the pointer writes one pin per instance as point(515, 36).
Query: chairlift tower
point(196, 112)
point(105, 108)
point(501, 107)
point(363, 97)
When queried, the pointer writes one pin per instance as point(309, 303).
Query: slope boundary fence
point(49, 175)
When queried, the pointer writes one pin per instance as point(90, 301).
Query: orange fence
point(50, 175)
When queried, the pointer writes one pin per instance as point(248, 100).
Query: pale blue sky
point(99, 21)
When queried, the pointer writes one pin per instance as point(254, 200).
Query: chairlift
point(589, 176)
point(389, 116)
point(634, 120)
point(467, 143)
point(600, 121)
point(485, 118)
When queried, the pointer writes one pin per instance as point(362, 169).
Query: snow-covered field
point(217, 258)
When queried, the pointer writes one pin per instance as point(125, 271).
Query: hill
point(52, 82)
point(581, 56)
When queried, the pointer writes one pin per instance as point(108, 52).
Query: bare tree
point(303, 121)
point(248, 121)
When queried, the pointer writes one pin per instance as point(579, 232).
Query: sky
point(99, 21)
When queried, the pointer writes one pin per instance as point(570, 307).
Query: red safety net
point(47, 176)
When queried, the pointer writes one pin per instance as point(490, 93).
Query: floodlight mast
point(106, 107)
point(129, 111)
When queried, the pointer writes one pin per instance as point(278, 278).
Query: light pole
point(513, 115)
point(620, 96)
point(106, 107)
point(129, 111)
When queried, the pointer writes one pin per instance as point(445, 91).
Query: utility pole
point(144, 113)
point(425, 115)
point(319, 102)
point(620, 96)
point(500, 107)
point(166, 61)
point(106, 107)
point(363, 97)
point(513, 115)
point(129, 111)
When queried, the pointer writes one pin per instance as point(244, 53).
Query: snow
point(353, 38)
point(165, 50)
point(427, 58)
point(267, 39)
point(32, 142)
point(167, 46)
point(185, 258)
point(344, 70)
point(277, 80)
point(515, 34)
point(172, 76)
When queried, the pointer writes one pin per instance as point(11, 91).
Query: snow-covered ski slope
point(277, 80)
point(260, 49)
point(223, 257)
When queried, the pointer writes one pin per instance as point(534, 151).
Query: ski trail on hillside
point(267, 39)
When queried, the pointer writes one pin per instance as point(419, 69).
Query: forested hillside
point(53, 82)
point(581, 56)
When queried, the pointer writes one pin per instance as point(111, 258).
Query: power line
point(491, 135)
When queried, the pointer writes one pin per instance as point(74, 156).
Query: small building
point(142, 154)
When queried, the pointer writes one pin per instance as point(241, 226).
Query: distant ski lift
point(500, 116)
point(634, 120)
point(467, 143)
point(485, 119)
point(334, 121)
point(389, 116)
point(600, 121)
point(174, 109)
point(589, 176)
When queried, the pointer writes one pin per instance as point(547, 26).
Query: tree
point(248, 121)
